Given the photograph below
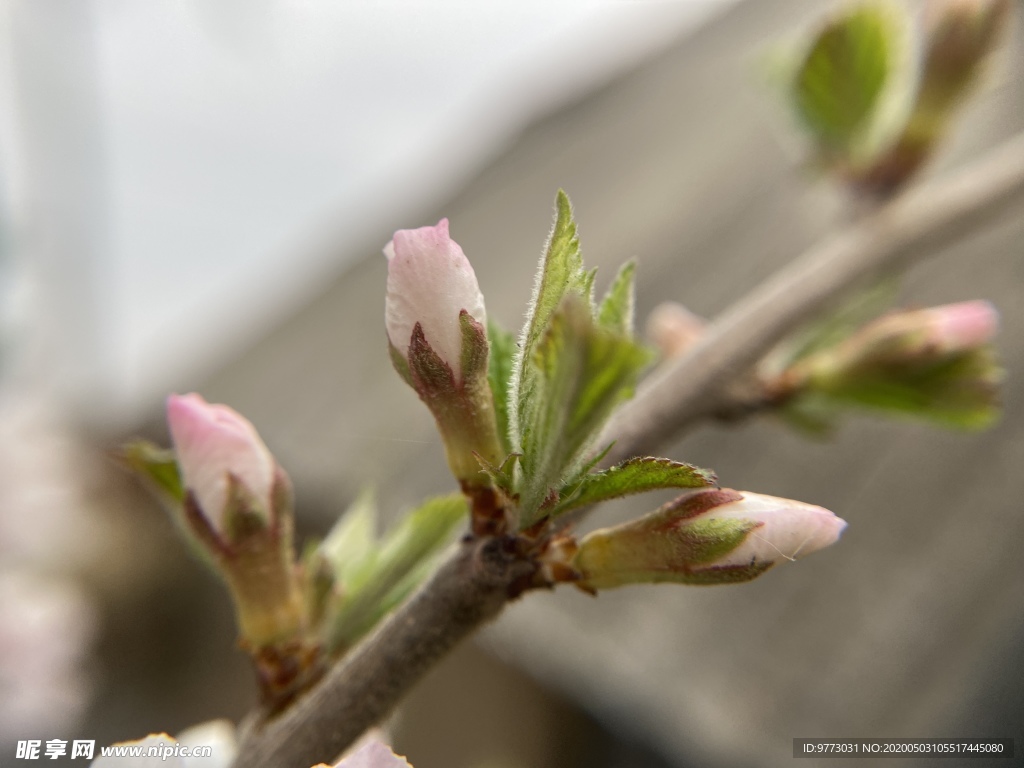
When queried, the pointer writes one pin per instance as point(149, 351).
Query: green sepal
point(464, 410)
point(499, 375)
point(243, 522)
point(157, 466)
point(581, 372)
point(395, 568)
point(431, 376)
point(561, 272)
point(838, 86)
point(954, 50)
point(708, 540)
point(637, 475)
point(474, 349)
point(503, 476)
point(616, 310)
point(401, 365)
point(655, 550)
point(959, 391)
point(726, 574)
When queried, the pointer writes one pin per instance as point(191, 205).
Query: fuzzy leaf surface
point(561, 272)
point(616, 310)
point(638, 475)
point(582, 372)
point(499, 375)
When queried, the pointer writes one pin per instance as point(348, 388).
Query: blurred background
point(193, 196)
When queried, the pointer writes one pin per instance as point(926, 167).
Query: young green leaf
point(632, 476)
point(398, 566)
point(499, 375)
point(840, 83)
point(561, 272)
point(157, 465)
point(351, 546)
point(616, 310)
point(617, 557)
point(582, 371)
point(711, 536)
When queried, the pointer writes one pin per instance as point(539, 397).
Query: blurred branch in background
point(913, 227)
point(471, 587)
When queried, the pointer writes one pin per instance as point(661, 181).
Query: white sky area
point(163, 164)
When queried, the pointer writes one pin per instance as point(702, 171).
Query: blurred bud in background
point(673, 329)
point(437, 330)
point(937, 364)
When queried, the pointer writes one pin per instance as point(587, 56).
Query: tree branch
point(468, 590)
point(916, 225)
point(474, 584)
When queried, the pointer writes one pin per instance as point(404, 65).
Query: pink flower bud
point(921, 334)
point(430, 281)
point(212, 442)
point(785, 529)
point(706, 537)
point(963, 326)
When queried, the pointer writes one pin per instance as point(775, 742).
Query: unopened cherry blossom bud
point(437, 333)
point(937, 364)
point(903, 342)
point(213, 444)
point(236, 506)
point(961, 327)
point(935, 331)
point(673, 329)
point(705, 537)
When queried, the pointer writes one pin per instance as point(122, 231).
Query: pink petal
point(965, 325)
point(212, 441)
point(430, 281)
